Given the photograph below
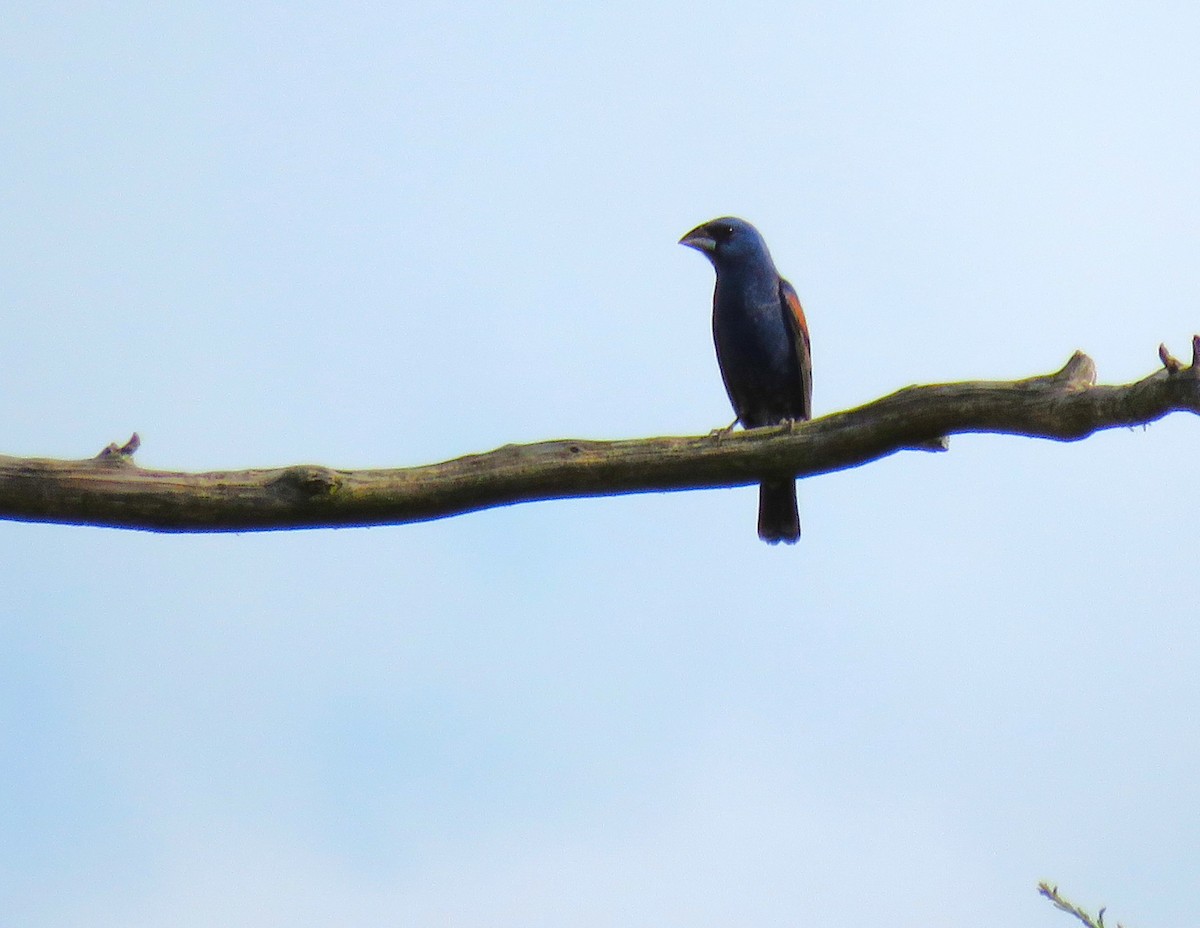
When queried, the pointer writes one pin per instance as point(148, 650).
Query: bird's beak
point(700, 239)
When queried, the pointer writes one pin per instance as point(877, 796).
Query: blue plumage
point(763, 350)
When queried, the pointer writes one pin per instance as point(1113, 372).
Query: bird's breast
point(757, 358)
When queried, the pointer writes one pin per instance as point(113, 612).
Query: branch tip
point(1170, 362)
point(1175, 367)
point(1066, 905)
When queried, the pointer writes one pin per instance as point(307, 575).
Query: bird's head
point(727, 241)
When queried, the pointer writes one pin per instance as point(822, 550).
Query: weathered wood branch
point(111, 490)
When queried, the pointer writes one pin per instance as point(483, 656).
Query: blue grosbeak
point(762, 349)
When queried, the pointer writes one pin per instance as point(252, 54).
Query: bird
point(763, 350)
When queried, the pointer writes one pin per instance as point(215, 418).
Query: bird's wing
point(793, 314)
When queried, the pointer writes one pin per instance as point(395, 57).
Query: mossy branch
point(111, 490)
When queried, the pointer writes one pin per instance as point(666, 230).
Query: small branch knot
point(941, 443)
point(306, 482)
point(120, 454)
point(1078, 373)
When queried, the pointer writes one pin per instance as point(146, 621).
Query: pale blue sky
point(388, 234)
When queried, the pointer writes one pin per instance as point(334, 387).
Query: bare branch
point(112, 490)
point(1065, 905)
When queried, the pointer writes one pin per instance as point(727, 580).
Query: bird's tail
point(778, 514)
